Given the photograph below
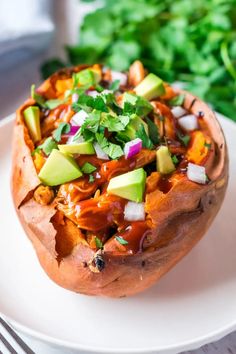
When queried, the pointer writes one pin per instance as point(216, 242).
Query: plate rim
point(185, 345)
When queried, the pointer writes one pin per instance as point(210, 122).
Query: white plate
point(192, 305)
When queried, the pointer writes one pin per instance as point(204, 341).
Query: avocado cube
point(150, 87)
point(130, 185)
point(32, 120)
point(85, 148)
point(165, 164)
point(59, 169)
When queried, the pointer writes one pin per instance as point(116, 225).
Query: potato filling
point(107, 150)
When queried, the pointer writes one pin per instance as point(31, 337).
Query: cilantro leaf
point(121, 240)
point(89, 127)
point(136, 105)
point(146, 142)
point(175, 159)
point(48, 145)
point(153, 131)
point(91, 179)
point(114, 123)
point(88, 103)
point(63, 128)
point(207, 145)
point(177, 100)
point(115, 85)
point(98, 242)
point(114, 151)
point(184, 139)
point(88, 168)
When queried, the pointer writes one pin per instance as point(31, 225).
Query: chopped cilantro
point(88, 103)
point(129, 109)
point(114, 86)
point(63, 128)
point(153, 131)
point(177, 100)
point(207, 145)
point(114, 151)
point(136, 104)
point(121, 240)
point(99, 88)
point(184, 139)
point(146, 142)
point(114, 123)
point(98, 242)
point(91, 179)
point(175, 159)
point(47, 147)
point(88, 168)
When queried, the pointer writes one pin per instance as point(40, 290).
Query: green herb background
point(192, 41)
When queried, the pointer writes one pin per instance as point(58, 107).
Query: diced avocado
point(130, 131)
point(151, 87)
point(130, 185)
point(129, 97)
point(32, 120)
point(59, 169)
point(85, 148)
point(87, 77)
point(165, 164)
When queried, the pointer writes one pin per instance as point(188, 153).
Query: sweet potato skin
point(181, 218)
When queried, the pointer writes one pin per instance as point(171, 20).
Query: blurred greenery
point(180, 40)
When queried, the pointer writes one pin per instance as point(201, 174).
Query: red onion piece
point(132, 148)
point(178, 111)
point(188, 123)
point(116, 75)
point(75, 97)
point(196, 173)
point(100, 153)
point(79, 118)
point(134, 211)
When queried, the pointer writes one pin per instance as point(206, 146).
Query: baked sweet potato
point(78, 228)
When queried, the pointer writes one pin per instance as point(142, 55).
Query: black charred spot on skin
point(99, 262)
point(143, 263)
point(200, 114)
point(85, 264)
point(192, 103)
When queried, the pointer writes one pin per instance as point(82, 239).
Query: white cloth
point(26, 27)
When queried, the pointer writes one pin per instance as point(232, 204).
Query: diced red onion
point(178, 111)
point(75, 97)
point(106, 92)
point(188, 122)
point(79, 118)
point(79, 140)
point(116, 75)
point(134, 211)
point(132, 148)
point(100, 153)
point(196, 173)
point(72, 132)
point(93, 93)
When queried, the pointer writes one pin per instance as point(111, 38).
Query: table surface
point(14, 89)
